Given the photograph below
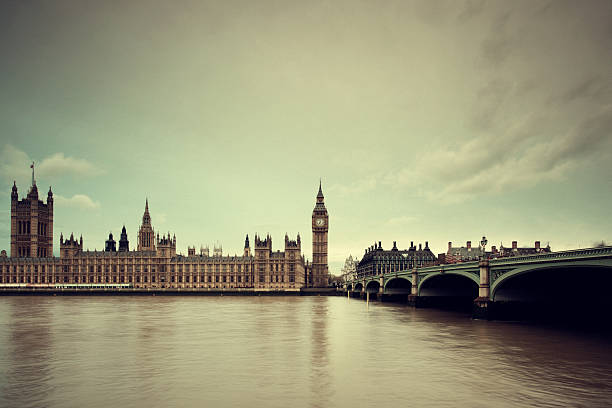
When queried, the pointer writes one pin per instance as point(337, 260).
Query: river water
point(285, 352)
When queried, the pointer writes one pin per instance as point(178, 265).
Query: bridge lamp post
point(483, 244)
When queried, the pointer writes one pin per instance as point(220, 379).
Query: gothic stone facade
point(155, 264)
point(31, 224)
point(318, 271)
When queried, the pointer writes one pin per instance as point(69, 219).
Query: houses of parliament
point(154, 263)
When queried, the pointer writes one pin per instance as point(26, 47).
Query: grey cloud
point(488, 101)
point(471, 9)
point(497, 45)
point(80, 201)
point(15, 165)
point(595, 88)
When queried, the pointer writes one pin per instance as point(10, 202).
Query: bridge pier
point(413, 297)
point(381, 289)
point(483, 304)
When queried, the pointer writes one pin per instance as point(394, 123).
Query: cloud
point(595, 88)
point(59, 165)
point(80, 201)
point(15, 165)
point(497, 46)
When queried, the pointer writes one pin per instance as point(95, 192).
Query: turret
point(247, 247)
point(124, 244)
point(166, 246)
point(14, 196)
point(70, 247)
point(110, 244)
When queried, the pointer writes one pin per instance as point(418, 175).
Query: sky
point(428, 121)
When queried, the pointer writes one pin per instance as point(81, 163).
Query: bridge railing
point(590, 252)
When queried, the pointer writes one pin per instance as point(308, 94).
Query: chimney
point(513, 244)
point(537, 245)
point(469, 244)
point(450, 245)
point(494, 249)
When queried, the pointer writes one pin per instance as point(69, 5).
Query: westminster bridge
point(571, 283)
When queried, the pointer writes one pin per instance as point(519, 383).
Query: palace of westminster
point(155, 264)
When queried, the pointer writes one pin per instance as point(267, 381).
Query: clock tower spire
point(320, 226)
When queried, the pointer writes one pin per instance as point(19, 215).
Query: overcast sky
point(427, 121)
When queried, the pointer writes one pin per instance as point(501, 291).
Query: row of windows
point(378, 268)
point(138, 279)
point(145, 268)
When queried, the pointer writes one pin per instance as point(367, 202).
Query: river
point(286, 352)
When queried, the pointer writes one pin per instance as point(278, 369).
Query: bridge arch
point(398, 285)
point(470, 276)
point(372, 286)
point(358, 287)
point(449, 290)
point(566, 274)
point(349, 287)
point(567, 292)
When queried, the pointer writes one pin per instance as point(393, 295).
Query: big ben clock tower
point(320, 226)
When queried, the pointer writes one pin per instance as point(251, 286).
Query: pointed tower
point(146, 235)
point(247, 247)
point(320, 226)
point(110, 244)
point(31, 223)
point(124, 244)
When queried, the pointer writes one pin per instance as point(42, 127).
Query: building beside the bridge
point(516, 251)
point(376, 260)
point(462, 254)
point(468, 253)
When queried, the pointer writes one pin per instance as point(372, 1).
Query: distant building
point(468, 253)
point(376, 260)
point(516, 251)
point(462, 254)
point(349, 270)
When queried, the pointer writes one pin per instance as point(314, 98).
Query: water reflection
point(320, 377)
point(26, 348)
point(278, 352)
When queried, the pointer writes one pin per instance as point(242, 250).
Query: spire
point(33, 179)
point(146, 218)
point(320, 194)
point(246, 241)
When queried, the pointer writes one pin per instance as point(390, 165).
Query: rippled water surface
point(285, 352)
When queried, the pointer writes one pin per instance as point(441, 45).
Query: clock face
point(320, 222)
